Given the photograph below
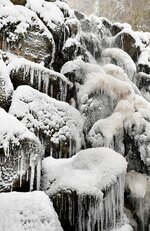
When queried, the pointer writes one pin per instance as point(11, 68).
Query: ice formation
point(47, 81)
point(95, 181)
point(6, 87)
point(22, 211)
point(61, 123)
point(20, 150)
point(137, 185)
point(106, 85)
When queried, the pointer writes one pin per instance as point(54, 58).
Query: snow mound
point(22, 211)
point(123, 60)
point(90, 171)
point(40, 113)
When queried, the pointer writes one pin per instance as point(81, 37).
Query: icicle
point(31, 76)
point(21, 167)
point(70, 147)
point(39, 80)
point(38, 177)
point(141, 212)
point(51, 89)
point(47, 85)
point(32, 172)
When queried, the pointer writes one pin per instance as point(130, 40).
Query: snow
point(27, 211)
point(137, 184)
point(42, 74)
point(107, 84)
point(24, 19)
point(123, 60)
point(90, 171)
point(12, 130)
point(58, 120)
point(144, 57)
point(48, 11)
point(5, 82)
point(71, 42)
point(5, 3)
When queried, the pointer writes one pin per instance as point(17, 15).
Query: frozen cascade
point(99, 214)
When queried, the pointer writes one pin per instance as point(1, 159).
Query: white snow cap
point(27, 211)
point(56, 119)
point(13, 130)
point(23, 18)
point(90, 171)
point(50, 12)
point(123, 60)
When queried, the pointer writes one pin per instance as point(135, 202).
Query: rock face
point(102, 70)
point(23, 33)
point(87, 186)
point(20, 152)
point(58, 125)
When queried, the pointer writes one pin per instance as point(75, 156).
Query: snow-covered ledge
point(88, 189)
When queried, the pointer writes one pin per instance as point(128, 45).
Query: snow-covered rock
point(54, 84)
point(20, 152)
point(120, 58)
point(91, 195)
point(22, 32)
point(126, 131)
point(99, 96)
point(58, 124)
point(27, 211)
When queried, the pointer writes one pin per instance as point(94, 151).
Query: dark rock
point(26, 42)
point(79, 15)
point(126, 42)
point(19, 2)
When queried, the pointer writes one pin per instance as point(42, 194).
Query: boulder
point(91, 195)
point(20, 154)
point(126, 41)
point(22, 33)
point(25, 72)
point(58, 125)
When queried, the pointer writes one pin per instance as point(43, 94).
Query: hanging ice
point(90, 197)
point(17, 147)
